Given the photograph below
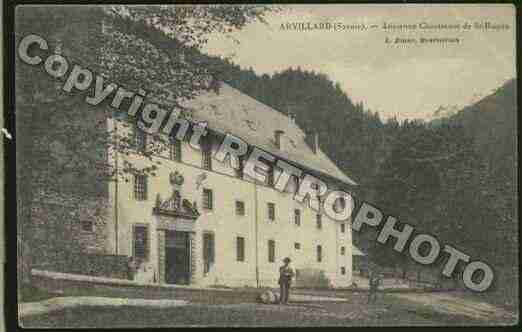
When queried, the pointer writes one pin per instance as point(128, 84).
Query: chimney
point(277, 138)
point(316, 142)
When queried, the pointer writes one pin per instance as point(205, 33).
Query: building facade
point(200, 221)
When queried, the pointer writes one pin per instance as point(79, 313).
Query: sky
point(396, 80)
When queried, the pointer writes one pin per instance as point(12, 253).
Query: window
point(271, 251)
point(208, 199)
point(207, 159)
point(271, 211)
point(342, 228)
point(140, 187)
point(240, 246)
point(141, 242)
point(319, 221)
point(208, 251)
point(206, 152)
point(87, 225)
point(270, 177)
point(140, 139)
point(343, 270)
point(343, 250)
point(297, 245)
point(240, 208)
point(175, 150)
point(319, 253)
point(239, 171)
point(297, 217)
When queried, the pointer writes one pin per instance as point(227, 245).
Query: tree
point(63, 144)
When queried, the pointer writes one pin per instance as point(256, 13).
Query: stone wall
point(69, 234)
point(100, 265)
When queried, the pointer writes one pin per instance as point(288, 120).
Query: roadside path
point(451, 304)
point(60, 303)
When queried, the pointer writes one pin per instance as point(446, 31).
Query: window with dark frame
point(206, 153)
point(342, 227)
point(240, 246)
point(271, 251)
point(343, 250)
point(175, 150)
point(297, 245)
point(319, 253)
point(240, 208)
point(270, 177)
point(140, 187)
point(87, 225)
point(208, 251)
point(271, 211)
point(343, 270)
point(141, 242)
point(319, 221)
point(297, 217)
point(140, 139)
point(239, 171)
point(208, 199)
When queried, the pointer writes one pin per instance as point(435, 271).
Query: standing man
point(286, 274)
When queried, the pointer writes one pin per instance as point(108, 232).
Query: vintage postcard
point(264, 165)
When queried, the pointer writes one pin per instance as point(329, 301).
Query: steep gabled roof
point(231, 111)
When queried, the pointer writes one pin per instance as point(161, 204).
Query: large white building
point(199, 221)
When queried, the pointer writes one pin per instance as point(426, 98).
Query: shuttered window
point(343, 250)
point(271, 211)
point(271, 251)
point(206, 154)
point(239, 171)
point(140, 187)
point(175, 150)
point(240, 247)
point(270, 177)
point(343, 227)
point(319, 253)
point(208, 199)
point(141, 242)
point(208, 251)
point(297, 217)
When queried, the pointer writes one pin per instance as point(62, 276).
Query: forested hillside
point(455, 179)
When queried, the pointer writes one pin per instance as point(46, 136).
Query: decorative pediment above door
point(175, 206)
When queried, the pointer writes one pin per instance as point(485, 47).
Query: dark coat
point(286, 273)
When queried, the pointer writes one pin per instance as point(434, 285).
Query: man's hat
point(287, 260)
